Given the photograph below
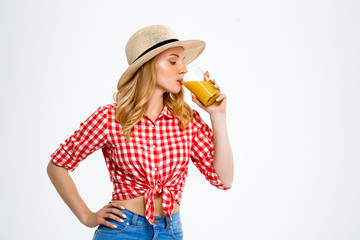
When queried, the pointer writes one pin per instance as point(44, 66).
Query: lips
point(179, 81)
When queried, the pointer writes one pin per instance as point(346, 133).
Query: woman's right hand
point(93, 219)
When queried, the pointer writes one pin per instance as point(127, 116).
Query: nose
point(183, 68)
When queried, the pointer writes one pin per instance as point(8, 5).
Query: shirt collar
point(166, 112)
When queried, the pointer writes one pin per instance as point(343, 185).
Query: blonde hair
point(134, 94)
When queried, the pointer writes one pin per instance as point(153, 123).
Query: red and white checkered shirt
point(154, 161)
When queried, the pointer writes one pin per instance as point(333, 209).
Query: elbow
point(227, 184)
point(226, 180)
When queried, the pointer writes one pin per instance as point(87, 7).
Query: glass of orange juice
point(198, 83)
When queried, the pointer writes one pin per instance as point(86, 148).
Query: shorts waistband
point(134, 219)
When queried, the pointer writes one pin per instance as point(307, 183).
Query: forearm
point(223, 158)
point(66, 188)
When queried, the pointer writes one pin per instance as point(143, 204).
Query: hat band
point(156, 46)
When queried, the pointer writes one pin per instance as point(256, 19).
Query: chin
point(175, 90)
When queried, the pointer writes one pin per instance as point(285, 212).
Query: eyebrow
point(173, 54)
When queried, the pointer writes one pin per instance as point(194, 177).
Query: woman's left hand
point(219, 106)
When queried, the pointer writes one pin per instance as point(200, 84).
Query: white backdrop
point(291, 70)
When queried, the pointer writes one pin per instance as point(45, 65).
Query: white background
point(290, 69)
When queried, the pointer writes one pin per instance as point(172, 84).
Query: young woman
point(147, 138)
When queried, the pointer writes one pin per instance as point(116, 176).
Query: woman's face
point(170, 70)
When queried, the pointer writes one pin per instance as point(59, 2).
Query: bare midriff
point(137, 205)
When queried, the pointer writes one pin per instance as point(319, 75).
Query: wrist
point(218, 116)
point(84, 217)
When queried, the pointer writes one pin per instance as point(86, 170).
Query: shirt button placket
point(156, 158)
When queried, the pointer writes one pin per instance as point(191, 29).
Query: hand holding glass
point(198, 83)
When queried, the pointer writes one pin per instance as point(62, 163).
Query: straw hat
point(149, 41)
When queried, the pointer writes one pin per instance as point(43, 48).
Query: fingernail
point(122, 208)
point(124, 216)
point(121, 220)
point(114, 226)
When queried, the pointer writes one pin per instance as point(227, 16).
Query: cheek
point(163, 70)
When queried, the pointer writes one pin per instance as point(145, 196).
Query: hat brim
point(192, 49)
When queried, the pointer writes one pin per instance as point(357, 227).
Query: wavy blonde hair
point(134, 94)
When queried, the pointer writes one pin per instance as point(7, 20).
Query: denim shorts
point(138, 227)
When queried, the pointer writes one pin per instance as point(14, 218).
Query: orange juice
point(203, 90)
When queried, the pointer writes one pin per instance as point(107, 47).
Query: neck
point(155, 105)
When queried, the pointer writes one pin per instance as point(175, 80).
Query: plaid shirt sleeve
point(202, 151)
point(91, 136)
